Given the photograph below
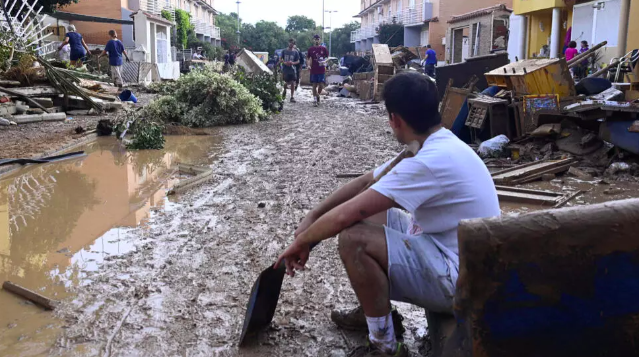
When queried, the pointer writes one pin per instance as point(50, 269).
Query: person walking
point(299, 67)
point(583, 66)
point(290, 59)
point(79, 48)
point(317, 56)
point(431, 61)
point(115, 49)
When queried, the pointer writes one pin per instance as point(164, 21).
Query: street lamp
point(330, 24)
point(239, 44)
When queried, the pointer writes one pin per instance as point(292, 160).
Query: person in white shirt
point(398, 239)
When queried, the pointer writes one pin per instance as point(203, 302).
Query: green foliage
point(51, 5)
point(184, 27)
point(228, 29)
point(148, 136)
point(211, 51)
point(166, 109)
point(391, 34)
point(146, 132)
point(207, 98)
point(342, 39)
point(166, 14)
point(263, 86)
point(264, 36)
point(300, 24)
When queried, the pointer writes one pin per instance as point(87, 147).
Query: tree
point(300, 24)
point(264, 36)
point(228, 29)
point(52, 5)
point(391, 34)
point(342, 39)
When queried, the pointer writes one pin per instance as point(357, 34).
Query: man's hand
point(128, 60)
point(294, 257)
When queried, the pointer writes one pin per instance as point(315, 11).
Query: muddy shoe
point(293, 100)
point(354, 320)
point(370, 350)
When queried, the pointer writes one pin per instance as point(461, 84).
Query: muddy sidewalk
point(183, 291)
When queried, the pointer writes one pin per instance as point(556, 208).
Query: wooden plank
point(34, 297)
point(517, 174)
point(519, 197)
point(536, 176)
point(382, 55)
point(36, 118)
point(39, 91)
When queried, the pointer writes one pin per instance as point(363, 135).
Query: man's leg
point(292, 84)
point(365, 256)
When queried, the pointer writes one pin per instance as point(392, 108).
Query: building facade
point(202, 17)
point(425, 21)
point(548, 22)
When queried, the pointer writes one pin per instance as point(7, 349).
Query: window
point(411, 4)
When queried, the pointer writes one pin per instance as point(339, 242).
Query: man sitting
point(398, 239)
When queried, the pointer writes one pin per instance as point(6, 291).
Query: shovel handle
point(411, 150)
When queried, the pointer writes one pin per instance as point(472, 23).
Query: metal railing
point(215, 33)
point(156, 7)
point(416, 14)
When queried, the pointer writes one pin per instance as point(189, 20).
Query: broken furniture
point(530, 172)
point(384, 68)
point(474, 66)
point(251, 64)
point(535, 76)
point(552, 283)
point(536, 197)
point(494, 111)
point(454, 100)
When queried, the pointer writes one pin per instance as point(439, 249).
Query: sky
point(279, 10)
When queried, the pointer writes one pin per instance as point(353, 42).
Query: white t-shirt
point(445, 183)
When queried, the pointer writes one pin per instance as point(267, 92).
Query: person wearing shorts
point(398, 239)
point(317, 56)
point(290, 58)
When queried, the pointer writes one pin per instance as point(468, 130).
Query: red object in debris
point(4, 100)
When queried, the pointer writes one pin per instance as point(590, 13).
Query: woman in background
point(79, 48)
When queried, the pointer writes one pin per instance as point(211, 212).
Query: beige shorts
point(421, 270)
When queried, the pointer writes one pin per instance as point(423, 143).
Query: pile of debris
point(582, 127)
point(50, 102)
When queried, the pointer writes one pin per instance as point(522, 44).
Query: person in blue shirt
point(431, 61)
point(115, 49)
point(79, 48)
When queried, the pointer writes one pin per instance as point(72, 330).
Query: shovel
point(266, 290)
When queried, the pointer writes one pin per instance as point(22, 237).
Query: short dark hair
point(427, 46)
point(572, 44)
point(291, 40)
point(112, 33)
point(414, 97)
point(584, 43)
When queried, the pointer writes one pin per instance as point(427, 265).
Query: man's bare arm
point(342, 195)
point(345, 215)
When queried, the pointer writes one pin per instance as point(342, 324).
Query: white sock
point(382, 333)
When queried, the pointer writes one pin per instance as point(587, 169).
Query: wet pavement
point(59, 222)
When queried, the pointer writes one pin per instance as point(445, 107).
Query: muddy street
point(139, 274)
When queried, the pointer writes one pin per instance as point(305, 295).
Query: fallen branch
point(353, 175)
point(107, 350)
point(23, 96)
point(34, 297)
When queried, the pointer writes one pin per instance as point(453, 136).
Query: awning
point(61, 15)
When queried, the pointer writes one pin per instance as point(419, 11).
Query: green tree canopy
point(391, 34)
point(228, 29)
point(264, 36)
point(300, 23)
point(51, 5)
point(342, 39)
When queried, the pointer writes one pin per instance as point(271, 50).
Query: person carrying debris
point(115, 49)
point(431, 61)
point(317, 56)
point(290, 59)
point(78, 47)
point(398, 239)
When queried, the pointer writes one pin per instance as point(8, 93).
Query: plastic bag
point(495, 147)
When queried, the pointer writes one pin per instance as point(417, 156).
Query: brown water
point(59, 221)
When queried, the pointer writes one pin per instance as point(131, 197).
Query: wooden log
point(582, 56)
point(36, 118)
point(203, 174)
point(39, 91)
point(6, 83)
point(604, 70)
point(34, 297)
point(21, 95)
point(45, 102)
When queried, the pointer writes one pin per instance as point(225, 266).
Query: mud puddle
point(59, 222)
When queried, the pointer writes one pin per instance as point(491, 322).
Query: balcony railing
point(416, 14)
point(215, 33)
point(356, 35)
point(156, 7)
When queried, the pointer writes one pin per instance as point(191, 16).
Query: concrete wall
point(412, 36)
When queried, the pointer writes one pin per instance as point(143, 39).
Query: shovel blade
point(262, 302)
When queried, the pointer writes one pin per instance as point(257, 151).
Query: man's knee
point(351, 240)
